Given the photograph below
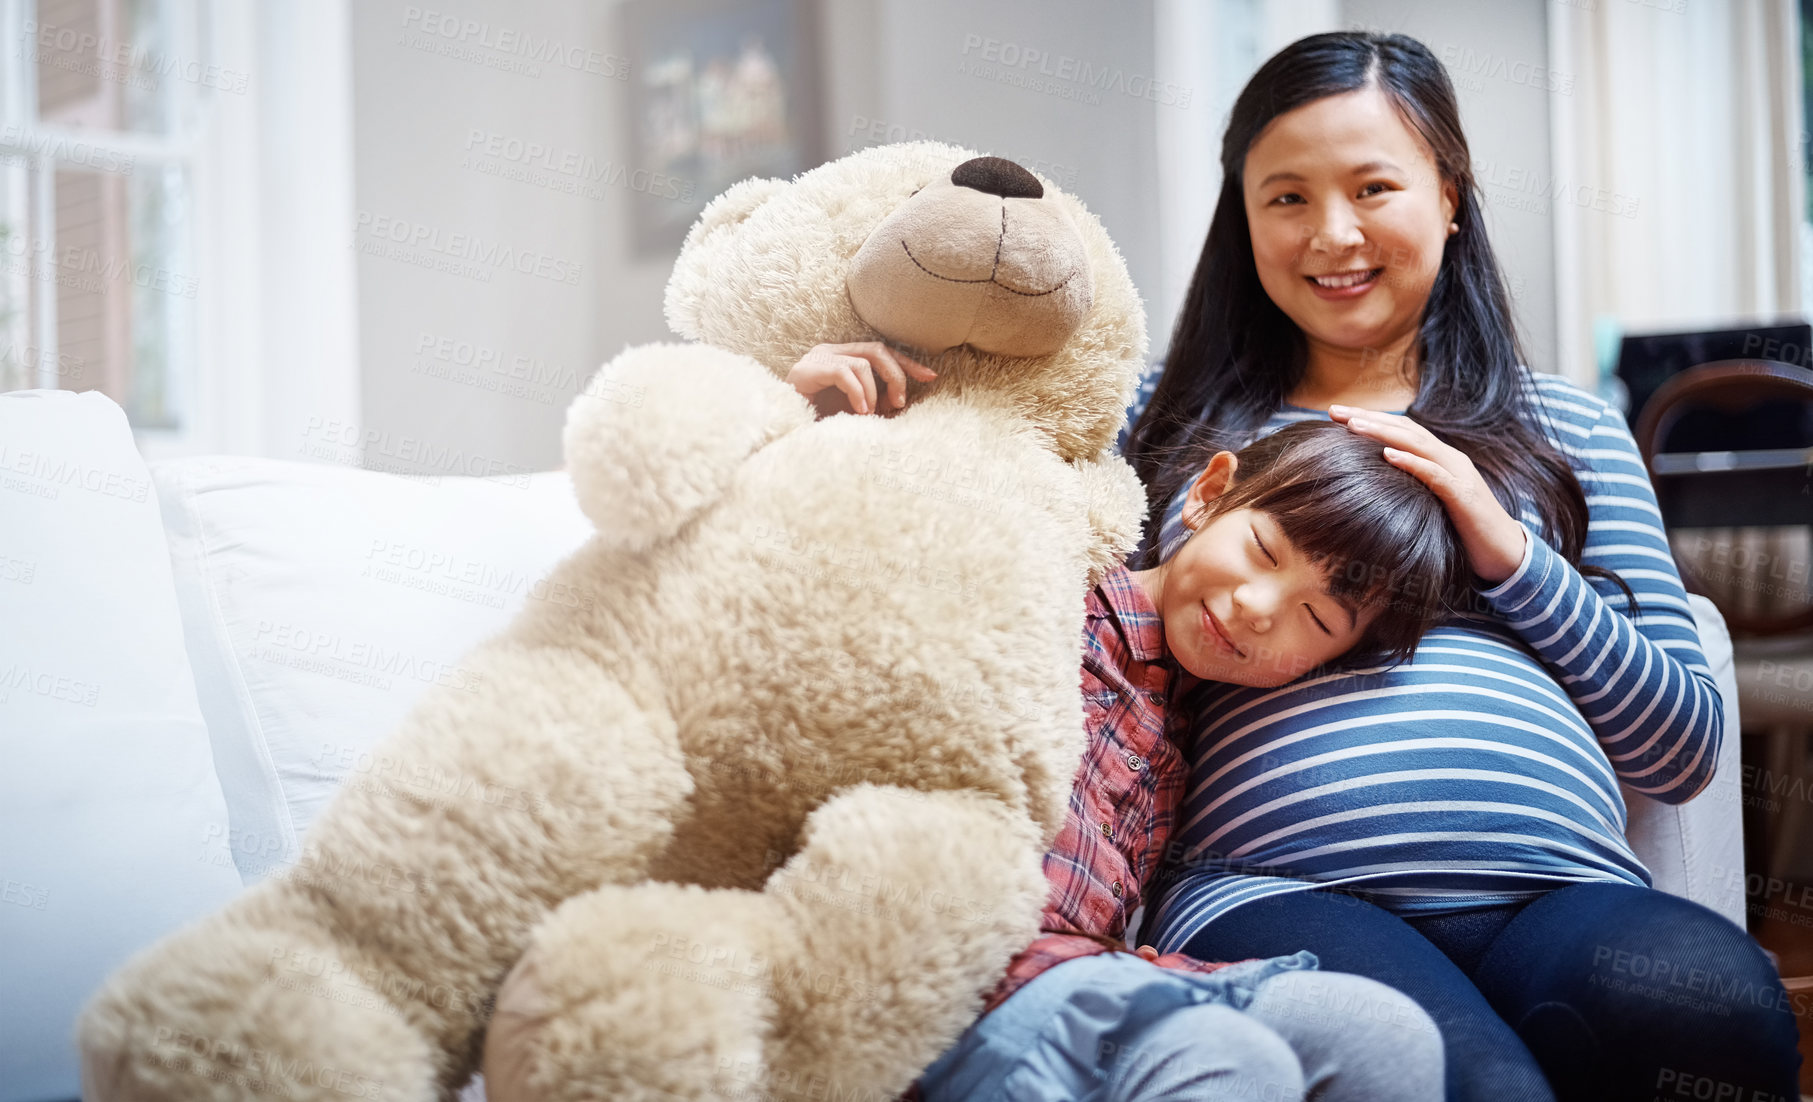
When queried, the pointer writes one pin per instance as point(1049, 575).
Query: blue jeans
point(1115, 1028)
point(1600, 992)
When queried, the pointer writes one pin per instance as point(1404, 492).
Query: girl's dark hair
point(1236, 355)
point(1382, 538)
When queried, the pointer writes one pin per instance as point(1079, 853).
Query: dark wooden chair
point(1739, 520)
point(1734, 488)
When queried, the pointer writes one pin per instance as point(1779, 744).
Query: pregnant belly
point(1470, 759)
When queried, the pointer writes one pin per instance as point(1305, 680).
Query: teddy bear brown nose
point(997, 176)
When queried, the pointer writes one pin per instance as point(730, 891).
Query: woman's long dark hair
point(1235, 355)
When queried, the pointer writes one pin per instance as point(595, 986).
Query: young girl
point(1454, 826)
point(1305, 546)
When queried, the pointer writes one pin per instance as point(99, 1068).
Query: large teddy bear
point(764, 816)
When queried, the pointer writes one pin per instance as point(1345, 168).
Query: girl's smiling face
point(1348, 216)
point(1240, 604)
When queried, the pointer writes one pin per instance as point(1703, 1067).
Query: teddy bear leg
point(373, 960)
point(646, 991)
point(865, 956)
point(904, 909)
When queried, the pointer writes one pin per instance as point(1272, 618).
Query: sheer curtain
point(1677, 185)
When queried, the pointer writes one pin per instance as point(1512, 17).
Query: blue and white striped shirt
point(1486, 769)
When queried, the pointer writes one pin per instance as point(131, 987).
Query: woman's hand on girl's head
point(840, 377)
point(1493, 538)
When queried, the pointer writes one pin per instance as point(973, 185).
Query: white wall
point(1123, 104)
point(529, 340)
point(894, 69)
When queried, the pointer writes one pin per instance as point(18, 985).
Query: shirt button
point(1134, 763)
point(1116, 889)
point(1107, 831)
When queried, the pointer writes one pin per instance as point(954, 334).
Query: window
point(101, 105)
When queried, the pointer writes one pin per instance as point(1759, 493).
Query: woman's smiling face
point(1348, 217)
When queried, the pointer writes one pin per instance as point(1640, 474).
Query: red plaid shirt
point(1126, 793)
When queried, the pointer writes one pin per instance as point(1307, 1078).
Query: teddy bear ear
point(736, 204)
point(693, 274)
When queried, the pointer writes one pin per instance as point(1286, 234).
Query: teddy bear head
point(1006, 286)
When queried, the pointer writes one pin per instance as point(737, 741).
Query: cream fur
point(763, 815)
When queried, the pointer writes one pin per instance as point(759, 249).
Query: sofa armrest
point(1696, 850)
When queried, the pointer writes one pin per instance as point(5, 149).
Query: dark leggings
point(1599, 992)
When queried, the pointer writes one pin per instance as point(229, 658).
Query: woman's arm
point(1642, 683)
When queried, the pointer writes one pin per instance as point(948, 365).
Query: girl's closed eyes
point(1304, 546)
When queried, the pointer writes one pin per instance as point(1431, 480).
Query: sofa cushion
point(113, 830)
point(320, 601)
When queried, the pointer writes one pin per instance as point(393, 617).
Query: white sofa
point(197, 653)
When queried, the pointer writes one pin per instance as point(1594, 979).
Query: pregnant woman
point(1451, 826)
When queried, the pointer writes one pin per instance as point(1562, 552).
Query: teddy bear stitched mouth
point(990, 278)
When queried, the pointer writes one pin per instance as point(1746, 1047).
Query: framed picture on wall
point(720, 90)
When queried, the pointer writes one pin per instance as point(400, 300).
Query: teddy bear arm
point(1116, 503)
point(659, 433)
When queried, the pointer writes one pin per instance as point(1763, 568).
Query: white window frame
point(44, 148)
point(276, 311)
